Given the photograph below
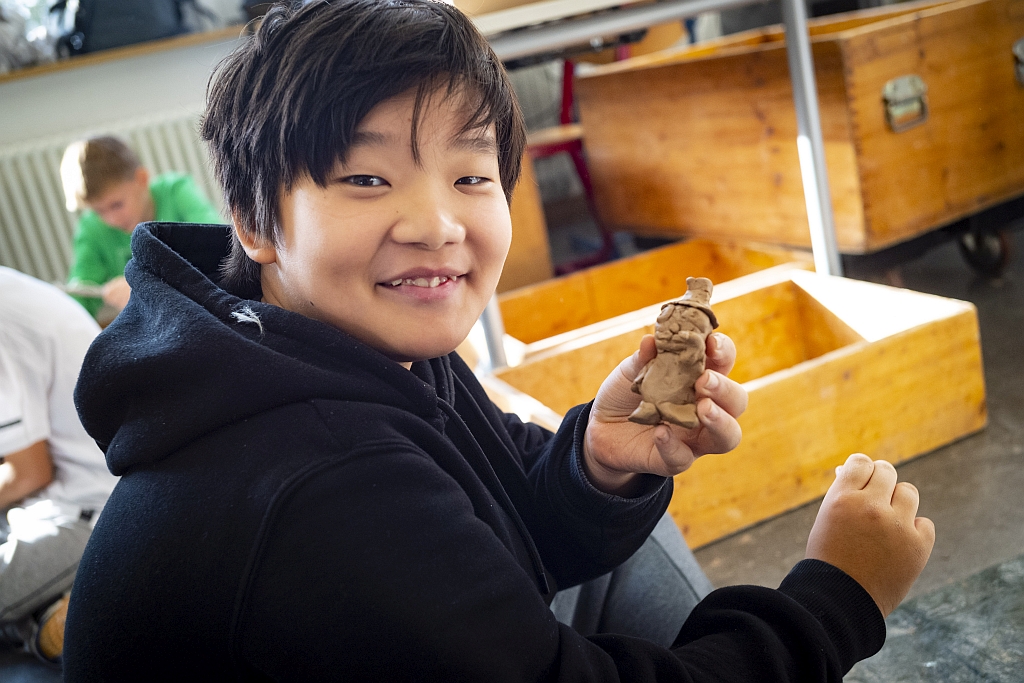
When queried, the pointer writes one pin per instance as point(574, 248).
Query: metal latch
point(905, 104)
point(1018, 52)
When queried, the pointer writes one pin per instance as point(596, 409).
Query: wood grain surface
point(702, 141)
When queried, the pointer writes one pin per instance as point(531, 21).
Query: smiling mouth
point(429, 282)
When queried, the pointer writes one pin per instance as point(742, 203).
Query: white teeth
point(435, 281)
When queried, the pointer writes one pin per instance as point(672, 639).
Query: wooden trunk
point(544, 310)
point(702, 140)
point(832, 366)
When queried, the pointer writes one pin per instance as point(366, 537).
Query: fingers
point(855, 473)
point(648, 349)
point(631, 367)
point(882, 483)
point(721, 432)
point(721, 353)
point(905, 500)
point(728, 394)
point(671, 449)
point(926, 528)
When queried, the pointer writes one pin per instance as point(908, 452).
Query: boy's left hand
point(615, 450)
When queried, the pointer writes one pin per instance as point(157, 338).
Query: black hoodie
point(295, 506)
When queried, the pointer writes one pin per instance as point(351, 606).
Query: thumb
point(644, 355)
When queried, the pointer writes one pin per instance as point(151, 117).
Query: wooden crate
point(544, 310)
point(702, 141)
point(833, 366)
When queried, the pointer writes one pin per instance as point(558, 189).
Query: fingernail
point(718, 340)
point(711, 383)
point(713, 412)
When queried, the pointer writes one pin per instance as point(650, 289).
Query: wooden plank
point(562, 304)
point(832, 366)
point(555, 135)
point(529, 257)
point(495, 16)
point(821, 26)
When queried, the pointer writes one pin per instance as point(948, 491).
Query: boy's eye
point(471, 180)
point(364, 180)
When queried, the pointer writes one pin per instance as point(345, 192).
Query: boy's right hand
point(867, 526)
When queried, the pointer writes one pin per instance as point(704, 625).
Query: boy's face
point(125, 204)
point(402, 254)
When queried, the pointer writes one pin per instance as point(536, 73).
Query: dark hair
point(287, 102)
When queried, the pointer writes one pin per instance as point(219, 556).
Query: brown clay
point(667, 382)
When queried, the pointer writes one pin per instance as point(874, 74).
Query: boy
point(104, 177)
point(316, 488)
point(53, 480)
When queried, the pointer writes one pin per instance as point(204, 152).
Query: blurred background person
point(54, 479)
point(104, 179)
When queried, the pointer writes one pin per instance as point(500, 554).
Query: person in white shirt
point(54, 479)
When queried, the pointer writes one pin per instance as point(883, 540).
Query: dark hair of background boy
point(288, 103)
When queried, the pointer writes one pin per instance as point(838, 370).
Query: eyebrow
point(368, 139)
point(483, 143)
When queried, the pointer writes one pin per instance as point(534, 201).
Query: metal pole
point(494, 333)
point(810, 143)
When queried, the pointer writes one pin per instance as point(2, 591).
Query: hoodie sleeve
point(379, 568)
point(583, 532)
point(580, 531)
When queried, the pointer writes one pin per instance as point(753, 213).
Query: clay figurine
point(667, 382)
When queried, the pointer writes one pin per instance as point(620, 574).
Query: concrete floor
point(970, 489)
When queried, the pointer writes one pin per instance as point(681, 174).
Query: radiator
point(35, 227)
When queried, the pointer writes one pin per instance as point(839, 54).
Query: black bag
point(103, 24)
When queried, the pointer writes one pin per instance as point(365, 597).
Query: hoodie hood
point(186, 357)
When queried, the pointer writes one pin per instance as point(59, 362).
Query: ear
point(259, 250)
point(142, 176)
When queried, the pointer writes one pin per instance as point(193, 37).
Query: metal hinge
point(905, 103)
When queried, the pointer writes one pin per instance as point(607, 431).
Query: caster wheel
point(987, 251)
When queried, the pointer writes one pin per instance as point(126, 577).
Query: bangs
point(287, 103)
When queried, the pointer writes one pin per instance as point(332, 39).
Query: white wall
point(91, 97)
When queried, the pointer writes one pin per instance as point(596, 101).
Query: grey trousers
point(38, 560)
point(648, 596)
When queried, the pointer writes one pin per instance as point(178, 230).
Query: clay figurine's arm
point(615, 450)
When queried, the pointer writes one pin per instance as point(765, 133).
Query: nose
point(429, 220)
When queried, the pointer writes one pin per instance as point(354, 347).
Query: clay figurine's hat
point(698, 295)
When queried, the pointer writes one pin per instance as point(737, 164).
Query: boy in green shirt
point(103, 176)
